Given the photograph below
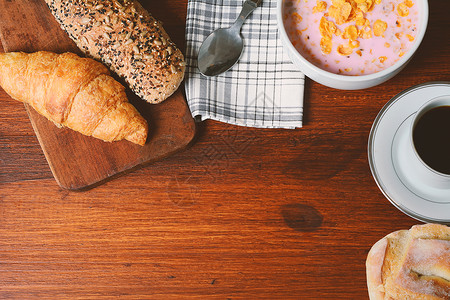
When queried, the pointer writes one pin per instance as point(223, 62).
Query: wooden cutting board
point(78, 161)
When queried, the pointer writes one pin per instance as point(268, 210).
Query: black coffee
point(431, 138)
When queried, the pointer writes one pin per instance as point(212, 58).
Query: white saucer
point(418, 202)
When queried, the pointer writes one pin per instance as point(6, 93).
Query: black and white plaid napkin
point(263, 89)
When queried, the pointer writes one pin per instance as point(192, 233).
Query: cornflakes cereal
point(327, 28)
point(345, 49)
point(326, 45)
point(379, 27)
point(366, 33)
point(340, 12)
point(402, 10)
point(408, 3)
point(359, 18)
point(354, 44)
point(352, 37)
point(321, 6)
point(388, 7)
point(410, 37)
point(297, 18)
point(351, 32)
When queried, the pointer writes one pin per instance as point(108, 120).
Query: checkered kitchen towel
point(263, 89)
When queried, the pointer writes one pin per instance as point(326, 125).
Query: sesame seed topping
point(102, 27)
point(85, 21)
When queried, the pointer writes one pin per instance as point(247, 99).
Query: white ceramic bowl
point(345, 82)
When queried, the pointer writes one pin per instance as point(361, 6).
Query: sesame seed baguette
point(124, 36)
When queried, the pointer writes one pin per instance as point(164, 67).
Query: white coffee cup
point(415, 174)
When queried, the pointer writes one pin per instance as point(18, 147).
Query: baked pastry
point(74, 92)
point(410, 264)
point(124, 36)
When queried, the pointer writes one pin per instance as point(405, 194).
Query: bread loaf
point(124, 36)
point(74, 92)
point(410, 264)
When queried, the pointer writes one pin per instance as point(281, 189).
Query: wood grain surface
point(29, 26)
point(243, 213)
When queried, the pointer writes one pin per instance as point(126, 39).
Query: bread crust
point(410, 264)
point(124, 36)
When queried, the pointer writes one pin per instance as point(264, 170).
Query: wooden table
point(242, 214)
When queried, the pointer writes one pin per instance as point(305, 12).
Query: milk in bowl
point(352, 37)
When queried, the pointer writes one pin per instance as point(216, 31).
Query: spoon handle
point(247, 8)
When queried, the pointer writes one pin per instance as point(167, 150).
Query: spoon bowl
point(222, 48)
point(220, 51)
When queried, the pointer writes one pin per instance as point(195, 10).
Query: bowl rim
point(356, 78)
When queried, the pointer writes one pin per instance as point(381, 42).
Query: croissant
point(73, 92)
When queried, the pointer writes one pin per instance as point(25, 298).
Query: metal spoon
point(222, 48)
